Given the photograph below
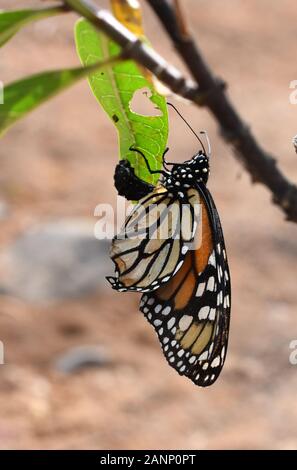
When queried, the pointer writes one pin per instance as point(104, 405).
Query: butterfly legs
point(152, 172)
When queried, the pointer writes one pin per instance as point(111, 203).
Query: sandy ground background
point(58, 164)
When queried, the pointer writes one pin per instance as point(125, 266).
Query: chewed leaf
point(114, 88)
point(12, 21)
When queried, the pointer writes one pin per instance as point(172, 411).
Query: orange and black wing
point(191, 312)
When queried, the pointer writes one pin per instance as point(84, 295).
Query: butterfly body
point(186, 175)
point(185, 280)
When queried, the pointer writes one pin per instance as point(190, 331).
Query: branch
point(136, 49)
point(210, 93)
point(259, 163)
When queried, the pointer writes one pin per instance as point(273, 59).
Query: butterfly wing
point(191, 312)
point(153, 243)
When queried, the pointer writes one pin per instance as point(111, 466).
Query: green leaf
point(23, 96)
point(12, 21)
point(114, 89)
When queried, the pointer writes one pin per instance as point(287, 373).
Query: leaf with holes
point(114, 89)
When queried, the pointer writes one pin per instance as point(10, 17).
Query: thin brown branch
point(136, 49)
point(260, 164)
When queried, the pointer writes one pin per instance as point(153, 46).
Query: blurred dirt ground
point(59, 162)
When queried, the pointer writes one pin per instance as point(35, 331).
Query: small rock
point(81, 357)
point(58, 260)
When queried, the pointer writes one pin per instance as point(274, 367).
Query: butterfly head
point(187, 174)
point(199, 166)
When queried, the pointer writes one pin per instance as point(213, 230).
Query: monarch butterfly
point(186, 292)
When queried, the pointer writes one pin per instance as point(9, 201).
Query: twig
point(259, 163)
point(137, 49)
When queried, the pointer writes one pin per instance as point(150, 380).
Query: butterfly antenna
point(190, 127)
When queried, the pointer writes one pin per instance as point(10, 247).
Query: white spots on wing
point(185, 322)
point(170, 323)
point(179, 364)
point(219, 248)
point(212, 259)
point(145, 309)
point(223, 353)
point(151, 301)
point(224, 254)
point(158, 308)
point(165, 279)
point(227, 301)
point(220, 272)
point(161, 331)
point(216, 362)
point(166, 310)
point(180, 353)
point(203, 356)
point(184, 249)
point(226, 275)
point(206, 378)
point(203, 312)
point(183, 368)
point(205, 366)
point(172, 359)
point(166, 348)
point(173, 342)
point(192, 359)
point(212, 314)
point(210, 284)
point(165, 340)
point(149, 316)
point(157, 322)
point(220, 298)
